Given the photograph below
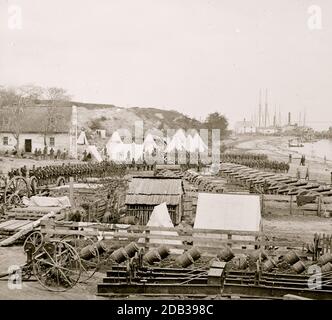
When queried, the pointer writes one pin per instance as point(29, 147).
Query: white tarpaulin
point(160, 218)
point(228, 212)
point(36, 201)
point(94, 152)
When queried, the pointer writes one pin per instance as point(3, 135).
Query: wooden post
point(291, 205)
point(71, 192)
point(319, 206)
point(147, 240)
point(229, 237)
point(262, 204)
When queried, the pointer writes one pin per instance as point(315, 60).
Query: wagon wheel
point(36, 239)
point(17, 185)
point(34, 184)
point(60, 181)
point(90, 258)
point(13, 200)
point(57, 266)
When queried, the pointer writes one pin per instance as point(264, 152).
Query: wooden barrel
point(194, 253)
point(131, 249)
point(119, 255)
point(327, 267)
point(184, 261)
point(268, 265)
point(324, 259)
point(152, 256)
point(88, 252)
point(163, 251)
point(291, 257)
point(298, 267)
point(226, 254)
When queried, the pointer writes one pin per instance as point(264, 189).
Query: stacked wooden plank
point(10, 227)
point(34, 213)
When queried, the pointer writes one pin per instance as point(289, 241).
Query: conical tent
point(177, 143)
point(82, 139)
point(94, 152)
point(199, 143)
point(115, 138)
point(190, 145)
point(149, 144)
point(161, 218)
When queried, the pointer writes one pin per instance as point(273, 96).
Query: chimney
point(289, 118)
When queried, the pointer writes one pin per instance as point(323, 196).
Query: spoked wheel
point(34, 185)
point(60, 181)
point(88, 252)
point(13, 200)
point(18, 186)
point(35, 239)
point(57, 266)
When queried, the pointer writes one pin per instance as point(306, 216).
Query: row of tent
point(118, 150)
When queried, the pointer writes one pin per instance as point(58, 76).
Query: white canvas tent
point(94, 153)
point(82, 139)
point(228, 212)
point(178, 142)
point(198, 143)
point(161, 218)
point(115, 138)
point(122, 152)
point(149, 144)
point(190, 145)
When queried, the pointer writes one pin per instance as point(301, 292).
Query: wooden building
point(144, 193)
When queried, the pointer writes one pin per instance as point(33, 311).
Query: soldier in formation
point(257, 161)
point(47, 175)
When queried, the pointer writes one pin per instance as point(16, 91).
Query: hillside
point(93, 116)
point(111, 118)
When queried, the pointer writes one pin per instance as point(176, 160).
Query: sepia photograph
point(166, 150)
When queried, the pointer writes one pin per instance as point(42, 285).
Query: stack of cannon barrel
point(124, 253)
point(188, 258)
point(156, 255)
point(325, 262)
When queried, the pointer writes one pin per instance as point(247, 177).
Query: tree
point(217, 121)
point(55, 94)
point(15, 99)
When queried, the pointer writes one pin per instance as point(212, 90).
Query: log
point(26, 229)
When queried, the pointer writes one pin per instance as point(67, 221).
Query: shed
point(237, 212)
point(144, 193)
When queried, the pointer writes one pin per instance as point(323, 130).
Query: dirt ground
point(306, 225)
point(31, 290)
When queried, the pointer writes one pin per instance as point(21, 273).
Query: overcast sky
point(194, 56)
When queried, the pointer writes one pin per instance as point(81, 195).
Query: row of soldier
point(229, 157)
point(269, 165)
point(50, 174)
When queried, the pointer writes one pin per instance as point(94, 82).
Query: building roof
point(228, 212)
point(36, 119)
point(152, 191)
point(153, 186)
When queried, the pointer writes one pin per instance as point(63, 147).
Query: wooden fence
point(208, 241)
